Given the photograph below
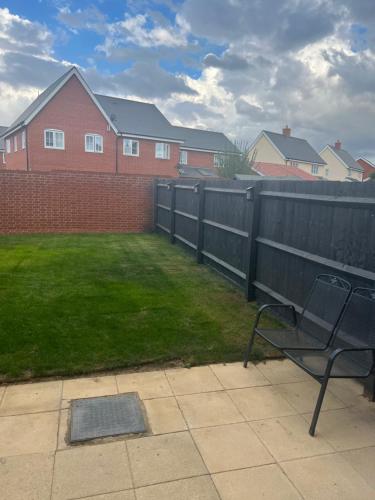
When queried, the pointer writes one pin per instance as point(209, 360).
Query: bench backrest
point(356, 327)
point(324, 306)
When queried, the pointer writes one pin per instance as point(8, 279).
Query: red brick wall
point(72, 111)
point(146, 163)
point(16, 160)
point(67, 202)
point(200, 159)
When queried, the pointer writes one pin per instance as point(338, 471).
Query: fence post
point(156, 194)
point(253, 198)
point(172, 212)
point(199, 189)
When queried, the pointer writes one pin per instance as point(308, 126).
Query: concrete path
point(216, 432)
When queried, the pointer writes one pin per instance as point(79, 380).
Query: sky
point(235, 66)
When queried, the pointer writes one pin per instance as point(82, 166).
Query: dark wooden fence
point(273, 237)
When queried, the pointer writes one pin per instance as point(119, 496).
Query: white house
point(284, 149)
point(341, 166)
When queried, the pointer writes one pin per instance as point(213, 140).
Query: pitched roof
point(293, 148)
point(368, 167)
point(2, 142)
point(196, 172)
point(38, 101)
point(275, 170)
point(346, 158)
point(206, 140)
point(131, 117)
point(137, 118)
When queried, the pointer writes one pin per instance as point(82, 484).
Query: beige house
point(341, 166)
point(284, 149)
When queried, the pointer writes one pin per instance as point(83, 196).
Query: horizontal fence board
point(224, 264)
point(311, 198)
point(226, 228)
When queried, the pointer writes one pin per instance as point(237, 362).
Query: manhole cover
point(106, 416)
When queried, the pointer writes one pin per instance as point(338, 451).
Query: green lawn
point(73, 304)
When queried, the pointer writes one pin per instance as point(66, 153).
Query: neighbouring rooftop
point(294, 148)
point(215, 432)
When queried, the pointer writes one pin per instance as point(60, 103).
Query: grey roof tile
point(347, 158)
point(138, 118)
point(205, 139)
point(2, 131)
point(293, 148)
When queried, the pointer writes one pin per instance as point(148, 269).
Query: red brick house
point(68, 127)
point(368, 168)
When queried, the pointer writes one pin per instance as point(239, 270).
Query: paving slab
point(193, 380)
point(328, 476)
point(26, 477)
point(266, 482)
point(207, 409)
point(91, 470)
point(31, 433)
point(303, 396)
point(282, 371)
point(362, 461)
point(235, 376)
point(31, 398)
point(228, 447)
point(119, 495)
point(164, 415)
point(256, 403)
point(89, 387)
point(347, 428)
point(197, 488)
point(288, 438)
point(148, 384)
point(164, 458)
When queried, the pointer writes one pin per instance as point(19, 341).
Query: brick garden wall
point(70, 202)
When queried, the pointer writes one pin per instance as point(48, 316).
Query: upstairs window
point(7, 145)
point(131, 147)
point(218, 160)
point(54, 139)
point(15, 143)
point(162, 151)
point(93, 143)
point(314, 169)
point(294, 163)
point(23, 139)
point(183, 157)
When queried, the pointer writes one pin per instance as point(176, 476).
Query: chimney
point(337, 144)
point(287, 131)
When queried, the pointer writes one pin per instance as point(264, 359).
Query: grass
point(72, 304)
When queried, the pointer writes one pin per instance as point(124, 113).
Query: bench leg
point(318, 406)
point(249, 348)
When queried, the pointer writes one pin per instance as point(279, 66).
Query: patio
point(216, 431)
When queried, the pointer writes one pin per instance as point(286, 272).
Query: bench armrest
point(274, 306)
point(340, 350)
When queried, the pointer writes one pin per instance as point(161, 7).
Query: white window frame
point(127, 147)
point(314, 169)
point(165, 154)
point(183, 157)
point(54, 132)
point(97, 140)
point(7, 146)
point(23, 139)
point(15, 143)
point(218, 160)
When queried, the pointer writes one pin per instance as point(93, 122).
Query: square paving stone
point(163, 458)
point(195, 488)
point(86, 471)
point(266, 483)
point(164, 415)
point(193, 380)
point(31, 398)
point(328, 476)
point(26, 477)
point(106, 416)
point(235, 376)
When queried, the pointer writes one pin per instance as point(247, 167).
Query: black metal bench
point(334, 337)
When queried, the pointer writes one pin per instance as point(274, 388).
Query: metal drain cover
point(106, 416)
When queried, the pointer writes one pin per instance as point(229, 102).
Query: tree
point(372, 176)
point(235, 163)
